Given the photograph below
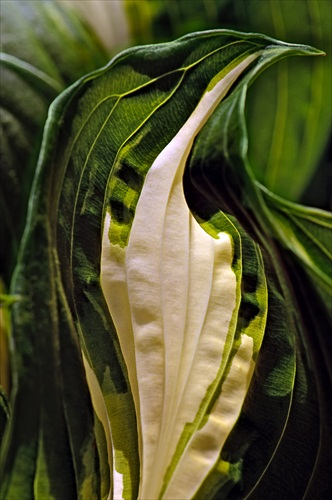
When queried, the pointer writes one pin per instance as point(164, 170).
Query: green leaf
point(289, 108)
point(51, 37)
point(161, 292)
point(293, 376)
point(44, 48)
point(306, 232)
point(51, 432)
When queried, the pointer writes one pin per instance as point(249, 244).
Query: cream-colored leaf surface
point(204, 449)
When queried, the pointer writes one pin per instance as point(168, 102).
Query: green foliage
point(44, 48)
point(170, 312)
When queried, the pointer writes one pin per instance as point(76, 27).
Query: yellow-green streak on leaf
point(42, 484)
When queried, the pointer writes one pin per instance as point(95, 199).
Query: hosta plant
point(170, 326)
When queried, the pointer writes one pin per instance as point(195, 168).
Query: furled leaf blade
point(219, 169)
point(151, 90)
point(107, 139)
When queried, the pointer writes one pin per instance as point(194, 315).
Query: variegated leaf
point(165, 292)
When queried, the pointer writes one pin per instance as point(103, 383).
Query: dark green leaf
point(45, 47)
